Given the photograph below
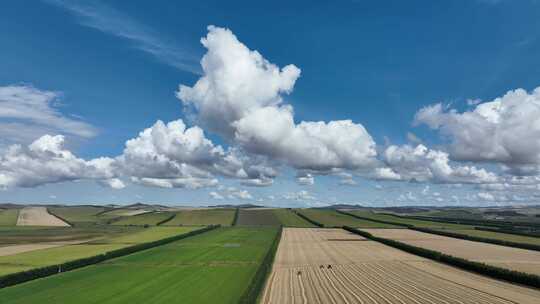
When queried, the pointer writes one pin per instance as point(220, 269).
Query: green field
point(151, 218)
point(34, 234)
point(8, 217)
point(213, 267)
point(78, 214)
point(122, 238)
point(331, 218)
point(499, 236)
point(290, 219)
point(204, 217)
point(257, 217)
point(409, 221)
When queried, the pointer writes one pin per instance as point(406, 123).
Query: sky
point(304, 104)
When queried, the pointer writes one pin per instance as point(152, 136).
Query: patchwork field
point(334, 266)
point(408, 221)
point(150, 218)
point(257, 217)
point(213, 267)
point(290, 219)
point(204, 217)
point(41, 255)
point(330, 218)
point(79, 215)
point(8, 217)
point(38, 216)
point(512, 258)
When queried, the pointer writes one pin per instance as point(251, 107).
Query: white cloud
point(412, 138)
point(486, 196)
point(106, 19)
point(240, 194)
point(305, 179)
point(240, 97)
point(216, 195)
point(46, 161)
point(422, 164)
point(505, 130)
point(299, 196)
point(27, 113)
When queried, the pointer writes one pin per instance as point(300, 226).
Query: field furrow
point(333, 266)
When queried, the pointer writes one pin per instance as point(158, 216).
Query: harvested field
point(8, 217)
point(356, 270)
point(123, 212)
point(150, 218)
point(499, 236)
point(257, 217)
point(199, 269)
point(203, 217)
point(330, 218)
point(38, 216)
point(501, 256)
point(291, 219)
point(16, 249)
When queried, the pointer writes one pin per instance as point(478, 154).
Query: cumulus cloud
point(27, 113)
point(302, 195)
point(240, 97)
point(216, 195)
point(505, 130)
point(305, 179)
point(47, 161)
point(422, 164)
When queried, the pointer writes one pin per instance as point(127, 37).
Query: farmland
point(290, 219)
point(506, 257)
point(213, 267)
point(79, 215)
point(330, 218)
point(150, 218)
point(38, 216)
point(333, 266)
point(257, 217)
point(117, 238)
point(8, 217)
point(216, 216)
point(499, 236)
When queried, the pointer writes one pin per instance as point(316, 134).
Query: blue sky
point(116, 67)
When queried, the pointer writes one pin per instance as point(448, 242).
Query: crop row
point(481, 268)
point(32, 274)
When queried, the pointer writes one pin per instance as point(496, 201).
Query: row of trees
point(32, 274)
point(235, 218)
point(477, 267)
point(256, 286)
point(314, 222)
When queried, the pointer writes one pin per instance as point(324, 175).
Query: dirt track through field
point(334, 266)
point(501, 256)
point(38, 216)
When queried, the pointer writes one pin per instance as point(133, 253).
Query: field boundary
point(235, 218)
point(173, 215)
point(508, 231)
point(374, 220)
point(255, 288)
point(42, 272)
point(478, 239)
point(59, 217)
point(305, 217)
point(472, 222)
point(511, 276)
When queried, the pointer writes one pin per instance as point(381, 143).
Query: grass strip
point(509, 231)
point(256, 287)
point(512, 276)
point(32, 274)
